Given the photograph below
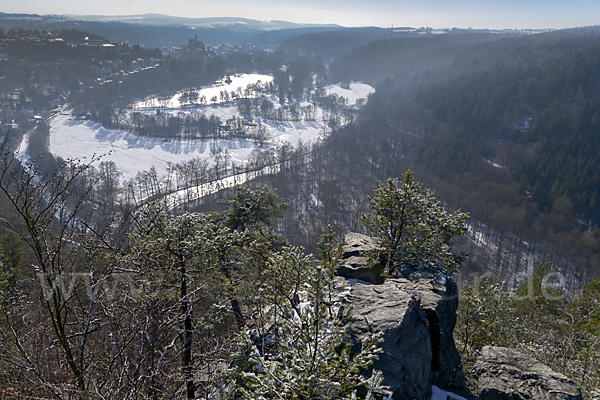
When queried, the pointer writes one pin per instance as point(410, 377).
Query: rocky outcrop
point(438, 296)
point(417, 320)
point(507, 374)
point(407, 352)
point(354, 264)
point(416, 311)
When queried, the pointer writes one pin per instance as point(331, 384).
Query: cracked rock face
point(439, 303)
point(507, 374)
point(416, 311)
point(417, 320)
point(406, 358)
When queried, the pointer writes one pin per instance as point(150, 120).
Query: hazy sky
point(416, 13)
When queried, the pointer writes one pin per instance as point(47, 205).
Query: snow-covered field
point(237, 81)
point(355, 92)
point(132, 153)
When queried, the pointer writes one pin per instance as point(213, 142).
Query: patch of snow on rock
point(439, 394)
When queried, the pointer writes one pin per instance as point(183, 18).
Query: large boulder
point(507, 374)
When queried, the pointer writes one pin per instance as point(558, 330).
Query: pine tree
point(412, 227)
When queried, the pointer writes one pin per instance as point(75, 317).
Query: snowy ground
point(439, 394)
point(132, 153)
point(355, 92)
point(72, 138)
point(183, 196)
point(278, 132)
point(237, 81)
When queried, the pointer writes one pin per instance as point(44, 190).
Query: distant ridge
point(209, 22)
point(164, 31)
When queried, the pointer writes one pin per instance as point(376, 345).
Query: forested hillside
point(332, 43)
point(529, 123)
point(407, 58)
point(431, 59)
point(514, 142)
point(539, 122)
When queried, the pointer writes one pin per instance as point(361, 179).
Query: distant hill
point(329, 43)
point(235, 23)
point(332, 43)
point(405, 56)
point(430, 58)
point(155, 30)
point(281, 35)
